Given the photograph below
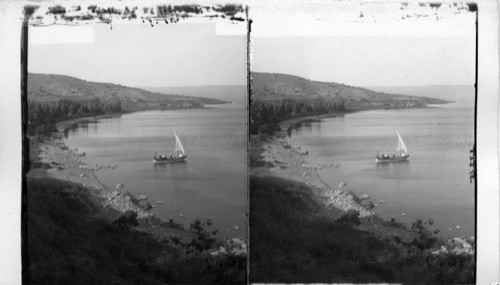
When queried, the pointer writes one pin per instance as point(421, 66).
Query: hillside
point(455, 93)
point(50, 88)
point(230, 93)
point(276, 87)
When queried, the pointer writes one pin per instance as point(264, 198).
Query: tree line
point(264, 115)
point(41, 115)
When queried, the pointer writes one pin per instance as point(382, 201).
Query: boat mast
point(401, 143)
point(178, 145)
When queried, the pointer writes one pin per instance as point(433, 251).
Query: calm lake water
point(434, 183)
point(212, 182)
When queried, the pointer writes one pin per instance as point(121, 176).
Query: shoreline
point(291, 123)
point(65, 163)
point(290, 162)
point(63, 126)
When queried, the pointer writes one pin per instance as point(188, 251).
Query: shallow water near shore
point(434, 183)
point(211, 184)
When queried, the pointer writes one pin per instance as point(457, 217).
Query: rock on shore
point(364, 196)
point(345, 202)
point(457, 245)
point(235, 246)
point(123, 203)
point(142, 197)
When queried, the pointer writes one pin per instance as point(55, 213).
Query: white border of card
point(488, 226)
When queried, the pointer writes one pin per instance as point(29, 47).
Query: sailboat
point(177, 155)
point(401, 153)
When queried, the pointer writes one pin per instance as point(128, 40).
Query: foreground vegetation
point(70, 242)
point(291, 241)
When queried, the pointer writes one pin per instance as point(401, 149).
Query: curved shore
point(67, 164)
point(290, 162)
point(63, 126)
point(290, 123)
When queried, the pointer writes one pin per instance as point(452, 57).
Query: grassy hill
point(55, 98)
point(276, 87)
point(51, 88)
point(278, 97)
point(230, 93)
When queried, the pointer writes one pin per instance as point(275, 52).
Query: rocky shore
point(67, 164)
point(290, 162)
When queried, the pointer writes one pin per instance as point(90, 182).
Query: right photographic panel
point(362, 143)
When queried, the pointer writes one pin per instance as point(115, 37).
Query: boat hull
point(169, 160)
point(392, 159)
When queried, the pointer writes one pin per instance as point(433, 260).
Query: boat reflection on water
point(399, 171)
point(404, 164)
point(179, 165)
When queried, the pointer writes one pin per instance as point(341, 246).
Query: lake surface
point(212, 183)
point(434, 183)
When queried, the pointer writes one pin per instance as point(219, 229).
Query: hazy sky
point(388, 46)
point(183, 54)
point(369, 61)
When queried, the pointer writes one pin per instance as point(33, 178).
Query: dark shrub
point(269, 129)
point(349, 218)
point(127, 219)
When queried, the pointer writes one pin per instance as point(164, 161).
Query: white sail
point(402, 143)
point(178, 144)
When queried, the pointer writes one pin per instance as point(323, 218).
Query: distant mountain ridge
point(454, 93)
point(230, 93)
point(51, 88)
point(277, 87)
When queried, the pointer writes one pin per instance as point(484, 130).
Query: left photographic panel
point(136, 130)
